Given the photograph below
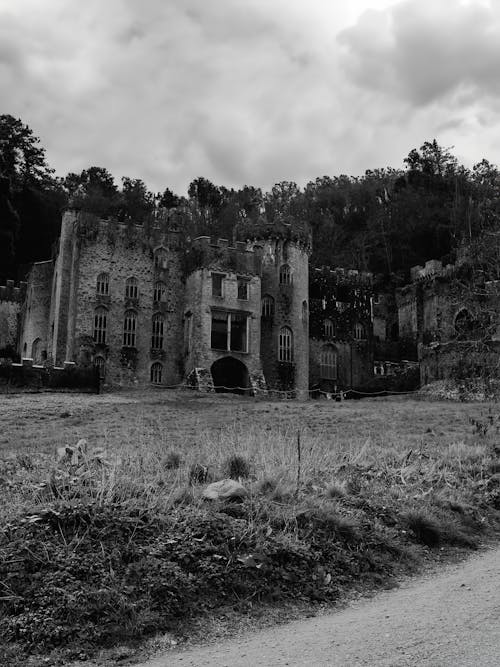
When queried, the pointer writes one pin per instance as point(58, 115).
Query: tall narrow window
point(36, 351)
point(188, 332)
point(160, 258)
point(328, 329)
point(242, 288)
point(157, 333)
point(305, 311)
point(100, 324)
point(102, 285)
point(285, 275)
point(129, 328)
point(328, 363)
point(267, 307)
point(100, 364)
point(217, 281)
point(159, 292)
point(131, 288)
point(359, 331)
point(285, 349)
point(156, 372)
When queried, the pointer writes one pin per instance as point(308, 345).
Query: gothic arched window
point(156, 372)
point(129, 328)
point(100, 324)
point(285, 348)
point(102, 284)
point(157, 331)
point(131, 288)
point(285, 275)
point(267, 308)
point(328, 362)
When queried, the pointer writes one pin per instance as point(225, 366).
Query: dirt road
point(452, 618)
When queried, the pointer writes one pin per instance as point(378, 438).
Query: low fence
point(27, 376)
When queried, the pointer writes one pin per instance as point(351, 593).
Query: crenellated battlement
point(286, 228)
point(12, 292)
point(347, 277)
point(207, 252)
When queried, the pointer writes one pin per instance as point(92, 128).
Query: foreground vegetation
point(116, 542)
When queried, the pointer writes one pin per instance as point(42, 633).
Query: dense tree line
point(384, 221)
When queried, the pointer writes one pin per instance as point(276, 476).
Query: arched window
point(102, 285)
point(328, 363)
point(285, 275)
point(159, 291)
point(157, 332)
point(160, 258)
point(285, 349)
point(100, 364)
point(131, 288)
point(328, 328)
point(267, 309)
point(100, 324)
point(129, 328)
point(156, 372)
point(305, 311)
point(36, 351)
point(464, 323)
point(359, 331)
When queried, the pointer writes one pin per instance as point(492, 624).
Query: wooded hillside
point(384, 221)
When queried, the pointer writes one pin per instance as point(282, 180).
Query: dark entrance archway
point(230, 375)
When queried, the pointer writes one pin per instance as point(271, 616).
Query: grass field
point(339, 495)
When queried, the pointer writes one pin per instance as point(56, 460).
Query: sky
point(251, 91)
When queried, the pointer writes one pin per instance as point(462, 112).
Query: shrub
point(426, 530)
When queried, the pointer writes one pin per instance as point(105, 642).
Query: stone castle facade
point(145, 306)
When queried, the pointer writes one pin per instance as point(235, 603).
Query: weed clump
point(172, 460)
point(237, 466)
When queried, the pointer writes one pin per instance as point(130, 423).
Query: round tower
point(284, 247)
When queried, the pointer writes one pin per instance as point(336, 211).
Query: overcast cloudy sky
point(251, 91)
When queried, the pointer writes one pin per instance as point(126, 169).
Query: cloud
point(425, 51)
point(251, 92)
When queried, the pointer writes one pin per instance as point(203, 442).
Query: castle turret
point(284, 248)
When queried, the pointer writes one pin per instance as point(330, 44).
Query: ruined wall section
point(208, 257)
point(11, 302)
point(35, 328)
point(344, 299)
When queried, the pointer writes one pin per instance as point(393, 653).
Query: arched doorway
point(230, 375)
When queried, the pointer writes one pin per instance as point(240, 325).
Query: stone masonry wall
point(291, 309)
point(200, 303)
point(36, 310)
point(123, 255)
point(11, 300)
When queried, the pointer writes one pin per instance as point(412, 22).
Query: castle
point(147, 306)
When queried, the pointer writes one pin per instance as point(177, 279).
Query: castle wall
point(35, 315)
point(11, 300)
point(120, 252)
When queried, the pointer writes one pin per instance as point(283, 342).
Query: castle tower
point(222, 317)
point(284, 247)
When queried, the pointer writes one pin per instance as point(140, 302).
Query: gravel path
point(452, 618)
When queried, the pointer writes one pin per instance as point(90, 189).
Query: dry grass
point(404, 448)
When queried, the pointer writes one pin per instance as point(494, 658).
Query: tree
point(137, 200)
point(93, 190)
point(22, 158)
